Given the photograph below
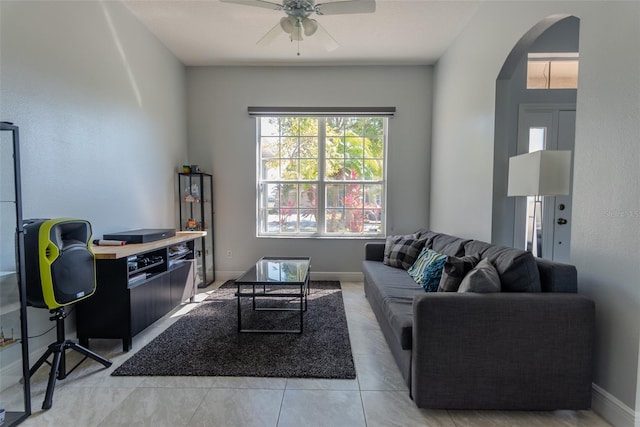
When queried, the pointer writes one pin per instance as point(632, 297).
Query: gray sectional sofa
point(528, 347)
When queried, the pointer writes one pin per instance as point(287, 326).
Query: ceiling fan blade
point(329, 43)
point(346, 7)
point(271, 35)
point(256, 3)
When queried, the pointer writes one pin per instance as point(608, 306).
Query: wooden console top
point(116, 252)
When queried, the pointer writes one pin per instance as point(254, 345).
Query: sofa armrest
point(374, 251)
point(502, 351)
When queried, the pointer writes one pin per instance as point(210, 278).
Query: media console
point(137, 284)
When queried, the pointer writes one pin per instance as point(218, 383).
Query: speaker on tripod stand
point(59, 271)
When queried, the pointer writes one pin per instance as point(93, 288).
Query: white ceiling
point(399, 32)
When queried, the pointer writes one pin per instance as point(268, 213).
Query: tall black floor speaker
point(59, 271)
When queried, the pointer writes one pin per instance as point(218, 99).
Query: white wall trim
point(343, 276)
point(13, 371)
point(612, 409)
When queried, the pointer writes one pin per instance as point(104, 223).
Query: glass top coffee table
point(275, 277)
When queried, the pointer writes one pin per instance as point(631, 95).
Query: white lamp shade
point(541, 173)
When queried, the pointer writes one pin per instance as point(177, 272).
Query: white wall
point(222, 139)
point(101, 109)
point(606, 218)
point(101, 106)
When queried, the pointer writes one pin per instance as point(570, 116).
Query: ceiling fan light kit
point(298, 22)
point(293, 27)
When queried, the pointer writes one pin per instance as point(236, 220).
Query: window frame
point(322, 182)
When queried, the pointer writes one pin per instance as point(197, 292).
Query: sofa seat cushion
point(393, 290)
point(517, 268)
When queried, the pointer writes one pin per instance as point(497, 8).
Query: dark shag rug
point(205, 341)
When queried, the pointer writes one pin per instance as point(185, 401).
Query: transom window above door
point(553, 70)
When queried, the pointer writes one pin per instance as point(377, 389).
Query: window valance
point(322, 111)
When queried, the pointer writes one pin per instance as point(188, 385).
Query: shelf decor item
point(195, 198)
point(14, 357)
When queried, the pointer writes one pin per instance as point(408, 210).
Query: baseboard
point(12, 373)
point(343, 276)
point(223, 276)
point(612, 409)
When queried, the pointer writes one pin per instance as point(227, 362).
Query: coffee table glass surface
point(275, 277)
point(277, 270)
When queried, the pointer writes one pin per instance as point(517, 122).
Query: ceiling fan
point(297, 23)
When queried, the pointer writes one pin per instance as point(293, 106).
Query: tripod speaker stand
point(60, 270)
point(58, 349)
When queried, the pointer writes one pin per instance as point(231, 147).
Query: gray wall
point(222, 139)
point(101, 106)
point(606, 195)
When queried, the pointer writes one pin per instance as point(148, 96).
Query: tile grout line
point(281, 403)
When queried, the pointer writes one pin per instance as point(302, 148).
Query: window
point(552, 70)
point(321, 176)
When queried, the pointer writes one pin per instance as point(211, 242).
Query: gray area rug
point(205, 341)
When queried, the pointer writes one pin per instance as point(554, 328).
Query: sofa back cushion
point(517, 268)
point(557, 277)
point(444, 243)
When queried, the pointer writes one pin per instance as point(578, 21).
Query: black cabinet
point(137, 285)
point(196, 213)
point(149, 302)
point(14, 351)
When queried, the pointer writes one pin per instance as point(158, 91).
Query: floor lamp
point(538, 174)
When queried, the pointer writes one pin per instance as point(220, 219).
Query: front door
point(545, 127)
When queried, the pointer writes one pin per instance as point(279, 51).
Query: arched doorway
point(521, 112)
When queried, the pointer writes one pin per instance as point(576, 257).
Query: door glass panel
point(533, 234)
point(537, 138)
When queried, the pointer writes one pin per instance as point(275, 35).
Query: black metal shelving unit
point(13, 300)
point(195, 191)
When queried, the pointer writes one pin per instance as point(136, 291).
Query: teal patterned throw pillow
point(427, 269)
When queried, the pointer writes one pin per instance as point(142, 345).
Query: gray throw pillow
point(454, 270)
point(402, 251)
point(483, 278)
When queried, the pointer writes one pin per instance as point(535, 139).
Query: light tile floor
point(377, 397)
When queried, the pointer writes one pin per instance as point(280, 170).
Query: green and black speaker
point(59, 263)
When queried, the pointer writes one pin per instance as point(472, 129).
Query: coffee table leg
point(301, 310)
point(239, 311)
point(254, 297)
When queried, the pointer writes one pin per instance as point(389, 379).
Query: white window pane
point(537, 138)
point(269, 126)
point(537, 74)
point(564, 75)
